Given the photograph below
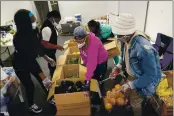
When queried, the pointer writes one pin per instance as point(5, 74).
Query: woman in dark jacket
point(27, 48)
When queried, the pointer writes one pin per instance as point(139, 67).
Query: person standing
point(49, 36)
point(139, 60)
point(103, 32)
point(94, 56)
point(27, 49)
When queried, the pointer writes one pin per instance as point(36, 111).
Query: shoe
point(36, 109)
point(52, 102)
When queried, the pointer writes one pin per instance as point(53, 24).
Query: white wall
point(159, 18)
point(137, 9)
point(8, 9)
point(88, 9)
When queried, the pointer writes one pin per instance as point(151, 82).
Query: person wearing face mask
point(103, 32)
point(49, 36)
point(139, 61)
point(93, 54)
point(27, 49)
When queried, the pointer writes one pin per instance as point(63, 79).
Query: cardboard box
point(72, 104)
point(72, 50)
point(69, 43)
point(113, 49)
point(63, 59)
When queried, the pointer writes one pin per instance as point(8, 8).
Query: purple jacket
point(94, 55)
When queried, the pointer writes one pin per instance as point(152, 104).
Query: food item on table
point(117, 87)
point(120, 101)
point(108, 106)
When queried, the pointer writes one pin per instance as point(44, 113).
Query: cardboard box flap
point(61, 60)
point(67, 51)
point(110, 45)
point(68, 98)
point(57, 73)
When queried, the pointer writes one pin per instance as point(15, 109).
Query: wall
point(159, 18)
point(8, 9)
point(88, 9)
point(137, 9)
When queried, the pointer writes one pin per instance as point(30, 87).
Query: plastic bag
point(163, 89)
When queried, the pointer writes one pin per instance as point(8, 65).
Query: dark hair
point(94, 24)
point(54, 13)
point(22, 20)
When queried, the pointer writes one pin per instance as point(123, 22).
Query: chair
point(164, 45)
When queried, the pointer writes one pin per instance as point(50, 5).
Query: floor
point(20, 109)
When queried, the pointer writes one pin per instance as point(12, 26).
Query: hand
point(114, 73)
point(86, 93)
point(127, 86)
point(60, 48)
point(47, 83)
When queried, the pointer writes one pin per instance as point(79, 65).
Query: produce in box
point(74, 61)
point(69, 87)
point(114, 97)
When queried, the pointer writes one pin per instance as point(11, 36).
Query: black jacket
point(53, 38)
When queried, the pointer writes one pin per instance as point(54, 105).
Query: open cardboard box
point(69, 43)
point(112, 48)
point(63, 59)
point(72, 50)
point(72, 103)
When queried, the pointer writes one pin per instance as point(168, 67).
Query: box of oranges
point(114, 98)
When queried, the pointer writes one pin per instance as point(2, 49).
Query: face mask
point(55, 24)
point(81, 45)
point(124, 39)
point(34, 25)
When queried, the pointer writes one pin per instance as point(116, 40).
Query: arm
point(149, 64)
point(46, 34)
point(92, 61)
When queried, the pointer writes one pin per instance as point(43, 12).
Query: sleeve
point(84, 61)
point(148, 66)
point(46, 33)
point(92, 62)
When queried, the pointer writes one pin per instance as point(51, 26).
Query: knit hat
point(125, 24)
point(80, 32)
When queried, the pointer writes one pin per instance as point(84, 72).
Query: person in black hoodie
point(27, 48)
point(49, 36)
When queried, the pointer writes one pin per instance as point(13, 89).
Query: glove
point(47, 83)
point(127, 86)
point(87, 86)
point(115, 71)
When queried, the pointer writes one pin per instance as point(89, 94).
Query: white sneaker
point(36, 109)
point(52, 101)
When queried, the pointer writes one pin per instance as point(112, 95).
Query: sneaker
point(36, 109)
point(52, 101)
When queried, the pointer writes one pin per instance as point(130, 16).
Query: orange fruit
point(120, 101)
point(112, 101)
point(108, 106)
point(117, 87)
point(170, 73)
point(108, 94)
point(106, 100)
point(121, 95)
